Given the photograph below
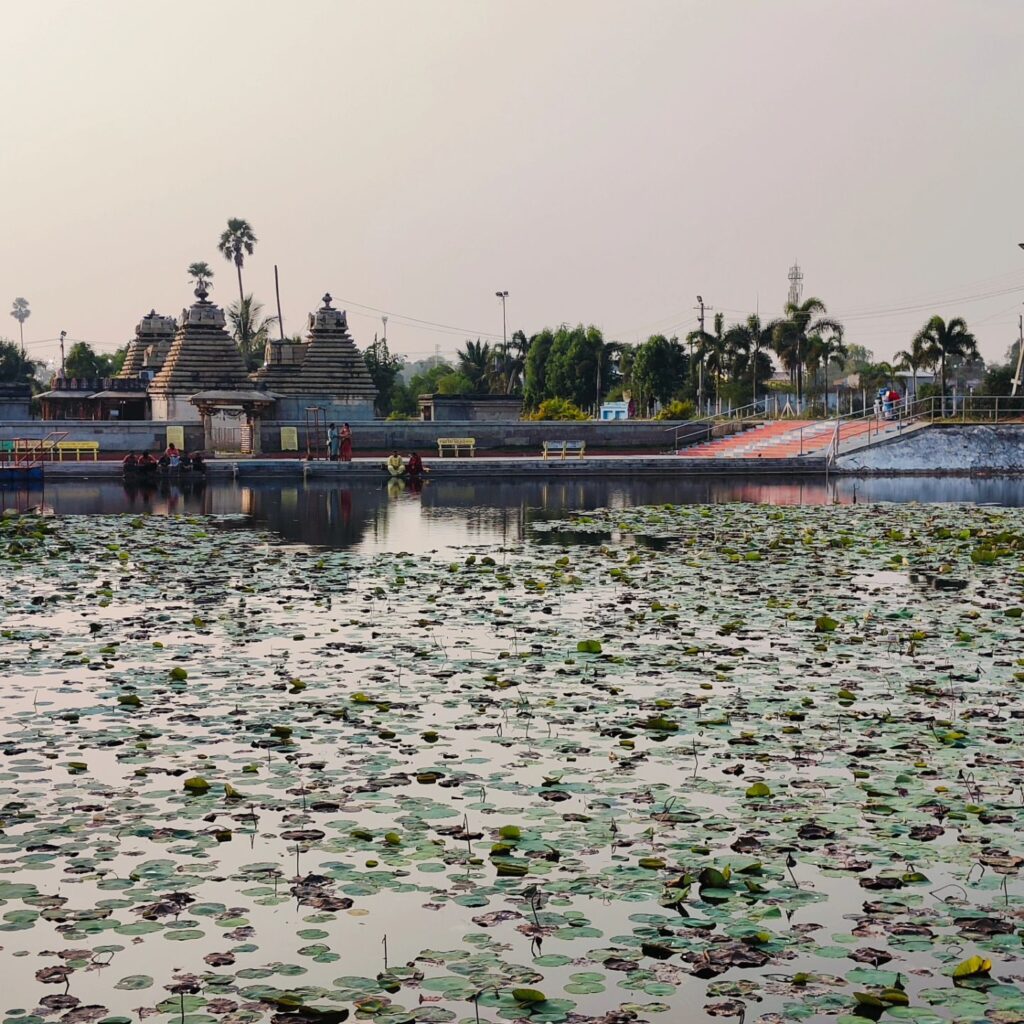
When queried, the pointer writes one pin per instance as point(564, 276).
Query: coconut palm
point(749, 340)
point(915, 358)
point(201, 273)
point(236, 241)
point(791, 336)
point(821, 352)
point(250, 329)
point(477, 363)
point(941, 340)
point(711, 353)
point(21, 313)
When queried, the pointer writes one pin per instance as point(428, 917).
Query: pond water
point(597, 752)
point(371, 517)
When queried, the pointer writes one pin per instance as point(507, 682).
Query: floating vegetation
point(728, 762)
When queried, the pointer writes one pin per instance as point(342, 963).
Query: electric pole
point(504, 337)
point(63, 335)
point(1020, 355)
point(700, 365)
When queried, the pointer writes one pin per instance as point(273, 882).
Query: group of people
point(339, 442)
point(172, 459)
point(398, 467)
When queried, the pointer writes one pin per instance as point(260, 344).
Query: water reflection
point(447, 513)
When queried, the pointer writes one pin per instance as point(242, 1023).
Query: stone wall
point(940, 448)
point(406, 435)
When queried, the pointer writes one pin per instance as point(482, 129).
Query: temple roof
point(203, 355)
point(332, 365)
point(152, 329)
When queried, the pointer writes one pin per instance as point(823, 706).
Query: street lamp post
point(504, 338)
point(63, 335)
point(1020, 355)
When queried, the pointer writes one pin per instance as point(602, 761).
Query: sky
point(604, 162)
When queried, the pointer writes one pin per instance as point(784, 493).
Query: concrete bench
point(78, 448)
point(453, 444)
point(563, 448)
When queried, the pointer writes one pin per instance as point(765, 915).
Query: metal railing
point(699, 431)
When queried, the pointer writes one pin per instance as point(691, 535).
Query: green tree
point(791, 336)
point(915, 358)
point(747, 341)
point(236, 241)
point(657, 371)
point(476, 363)
point(21, 312)
point(384, 370)
point(201, 274)
point(943, 341)
point(538, 351)
point(712, 350)
point(821, 352)
point(251, 329)
point(577, 366)
point(998, 380)
point(15, 366)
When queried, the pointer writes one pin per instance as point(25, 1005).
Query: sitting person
point(130, 461)
point(164, 461)
point(414, 467)
point(185, 461)
point(198, 465)
point(395, 466)
point(173, 457)
point(146, 462)
point(172, 451)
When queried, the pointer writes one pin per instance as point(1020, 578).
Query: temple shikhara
point(191, 370)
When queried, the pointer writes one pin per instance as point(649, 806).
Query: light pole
point(384, 318)
point(1020, 354)
point(504, 339)
point(63, 335)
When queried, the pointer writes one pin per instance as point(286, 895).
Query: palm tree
point(712, 354)
point(237, 240)
point(476, 363)
point(791, 336)
point(251, 329)
point(940, 341)
point(823, 351)
point(201, 273)
point(21, 313)
point(915, 358)
point(749, 339)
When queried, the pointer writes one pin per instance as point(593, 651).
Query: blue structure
point(614, 411)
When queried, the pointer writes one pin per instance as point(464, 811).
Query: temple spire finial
point(327, 300)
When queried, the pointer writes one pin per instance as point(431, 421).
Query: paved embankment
point(508, 468)
point(943, 448)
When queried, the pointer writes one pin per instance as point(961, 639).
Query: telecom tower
point(796, 284)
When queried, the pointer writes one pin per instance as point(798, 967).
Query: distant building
point(15, 401)
point(614, 411)
point(470, 408)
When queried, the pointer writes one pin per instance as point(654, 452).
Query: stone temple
point(327, 371)
point(147, 351)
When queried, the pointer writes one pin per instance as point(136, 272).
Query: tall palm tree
point(915, 358)
point(791, 336)
point(711, 353)
point(749, 339)
point(21, 313)
point(941, 341)
point(476, 362)
point(236, 241)
point(201, 273)
point(821, 352)
point(251, 330)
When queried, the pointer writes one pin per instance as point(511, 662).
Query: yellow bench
point(77, 448)
point(453, 444)
point(563, 448)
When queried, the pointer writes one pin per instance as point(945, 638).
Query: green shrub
point(559, 409)
point(677, 410)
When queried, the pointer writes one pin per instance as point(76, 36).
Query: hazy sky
point(602, 161)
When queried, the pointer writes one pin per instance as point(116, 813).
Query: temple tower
point(148, 349)
point(327, 371)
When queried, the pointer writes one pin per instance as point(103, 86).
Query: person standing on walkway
point(333, 442)
point(346, 443)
